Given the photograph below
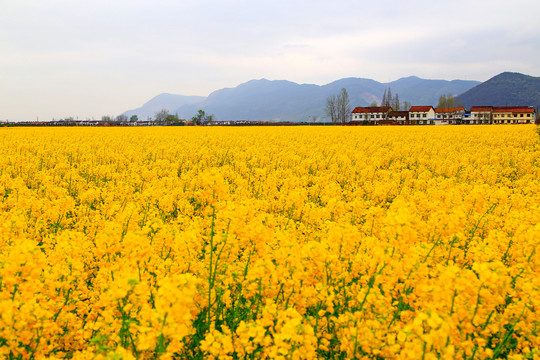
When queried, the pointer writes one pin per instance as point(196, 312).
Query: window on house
point(424, 115)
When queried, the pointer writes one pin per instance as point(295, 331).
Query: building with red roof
point(514, 115)
point(421, 115)
point(428, 115)
point(480, 115)
point(371, 114)
point(448, 116)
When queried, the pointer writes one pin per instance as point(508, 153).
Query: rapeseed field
point(262, 242)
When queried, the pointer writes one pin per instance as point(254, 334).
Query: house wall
point(480, 117)
point(513, 118)
point(422, 117)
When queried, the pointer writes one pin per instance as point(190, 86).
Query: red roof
point(449, 110)
point(513, 109)
point(360, 109)
point(481, 108)
point(420, 108)
point(372, 109)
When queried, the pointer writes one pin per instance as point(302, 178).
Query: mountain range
point(505, 89)
point(282, 100)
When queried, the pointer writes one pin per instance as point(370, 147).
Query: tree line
point(162, 117)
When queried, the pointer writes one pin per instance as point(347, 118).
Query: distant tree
point(344, 106)
point(172, 120)
point(373, 104)
point(121, 118)
point(106, 118)
point(331, 108)
point(389, 98)
point(442, 102)
point(447, 101)
point(395, 102)
point(201, 118)
point(338, 107)
point(406, 105)
point(134, 118)
point(384, 99)
point(161, 116)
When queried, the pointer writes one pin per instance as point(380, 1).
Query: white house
point(422, 115)
point(480, 115)
point(448, 116)
point(372, 114)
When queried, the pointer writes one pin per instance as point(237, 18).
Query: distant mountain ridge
point(282, 100)
point(505, 89)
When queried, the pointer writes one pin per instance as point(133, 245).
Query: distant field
point(262, 242)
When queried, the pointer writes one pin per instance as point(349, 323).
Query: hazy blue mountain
point(506, 89)
point(427, 92)
point(160, 102)
point(277, 100)
point(281, 100)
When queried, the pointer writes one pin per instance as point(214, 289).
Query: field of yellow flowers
point(261, 242)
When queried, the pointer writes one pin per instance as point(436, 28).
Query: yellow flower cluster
point(261, 242)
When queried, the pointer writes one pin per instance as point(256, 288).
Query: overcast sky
point(86, 59)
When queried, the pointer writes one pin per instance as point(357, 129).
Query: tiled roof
point(372, 109)
point(449, 110)
point(398, 113)
point(513, 109)
point(360, 109)
point(481, 108)
point(420, 108)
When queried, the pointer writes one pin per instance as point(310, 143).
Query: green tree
point(448, 101)
point(201, 118)
point(173, 120)
point(134, 118)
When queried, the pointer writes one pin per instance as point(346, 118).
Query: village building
point(479, 115)
point(422, 115)
point(428, 115)
point(448, 116)
point(399, 117)
point(371, 115)
point(513, 115)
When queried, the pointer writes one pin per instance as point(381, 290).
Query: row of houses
point(428, 115)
